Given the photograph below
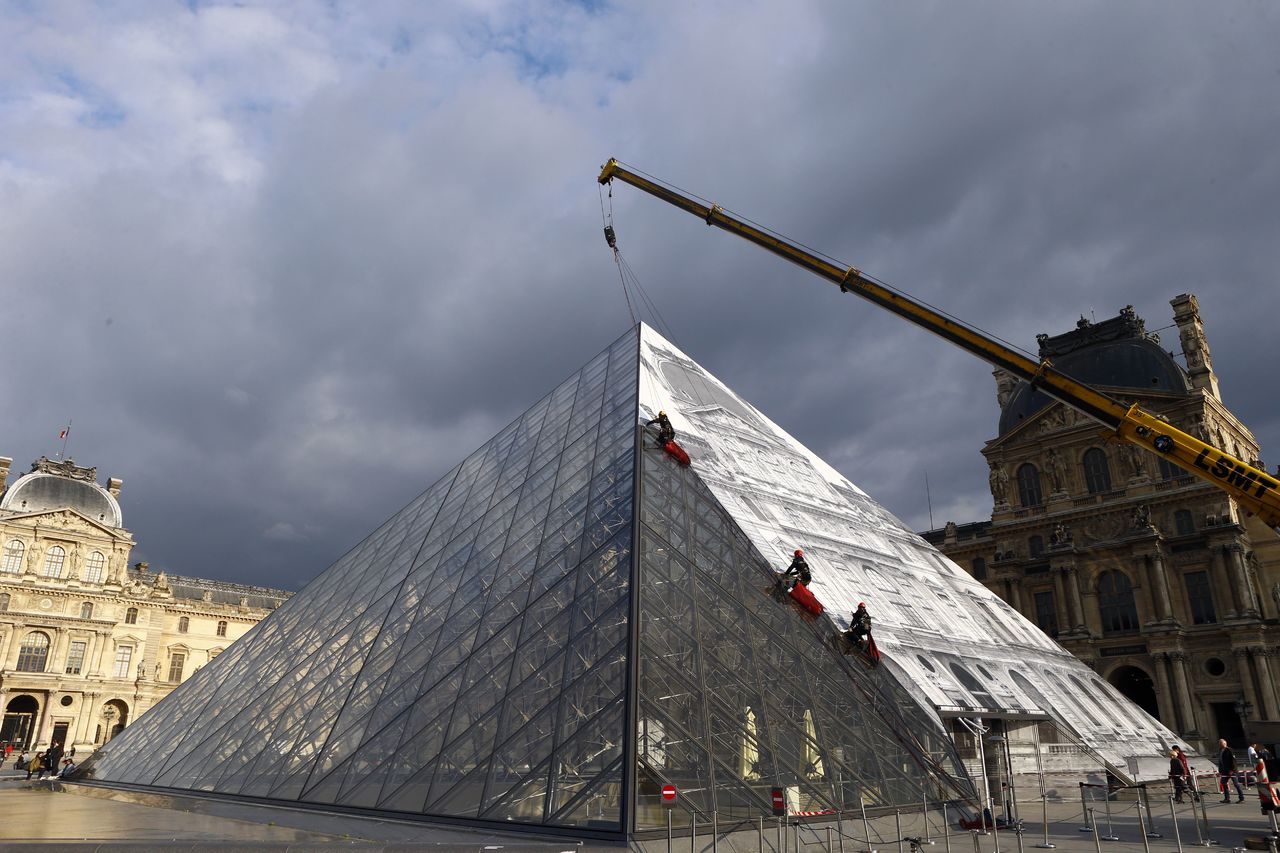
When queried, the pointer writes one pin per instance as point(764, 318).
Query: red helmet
point(862, 604)
point(799, 553)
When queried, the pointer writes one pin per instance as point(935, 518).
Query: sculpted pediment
point(68, 520)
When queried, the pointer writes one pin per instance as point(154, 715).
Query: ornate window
point(131, 616)
point(1169, 471)
point(183, 624)
point(222, 627)
point(75, 657)
point(124, 657)
point(1047, 613)
point(1029, 485)
point(1097, 473)
point(1116, 604)
point(33, 654)
point(1182, 522)
point(93, 567)
point(1035, 546)
point(86, 610)
point(13, 551)
point(4, 601)
point(176, 663)
point(53, 560)
point(980, 568)
point(1200, 598)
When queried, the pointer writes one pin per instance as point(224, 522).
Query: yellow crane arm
point(1256, 490)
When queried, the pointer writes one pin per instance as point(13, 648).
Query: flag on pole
point(64, 432)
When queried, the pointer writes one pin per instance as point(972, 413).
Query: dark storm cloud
point(312, 261)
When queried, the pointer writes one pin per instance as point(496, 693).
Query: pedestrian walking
point(1227, 772)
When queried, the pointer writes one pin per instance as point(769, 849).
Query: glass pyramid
point(562, 624)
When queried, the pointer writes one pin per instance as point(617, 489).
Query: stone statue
point(1131, 457)
point(1141, 517)
point(999, 481)
point(1061, 534)
point(1057, 471)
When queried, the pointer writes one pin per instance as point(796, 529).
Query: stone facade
point(1154, 578)
point(87, 643)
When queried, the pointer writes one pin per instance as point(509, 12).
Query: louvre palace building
point(88, 642)
point(1154, 578)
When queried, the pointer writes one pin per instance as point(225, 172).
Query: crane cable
point(611, 238)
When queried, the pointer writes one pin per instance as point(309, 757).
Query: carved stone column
point(1240, 580)
point(1071, 578)
point(1182, 692)
point(1220, 578)
point(1060, 607)
point(1169, 710)
point(1269, 708)
point(1014, 588)
point(1161, 603)
point(1245, 667)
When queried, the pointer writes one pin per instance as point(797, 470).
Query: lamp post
point(108, 714)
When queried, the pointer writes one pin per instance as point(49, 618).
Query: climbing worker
point(859, 625)
point(797, 572)
point(666, 432)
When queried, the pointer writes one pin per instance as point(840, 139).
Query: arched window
point(1029, 485)
point(183, 624)
point(222, 627)
point(13, 551)
point(1116, 604)
point(4, 601)
point(1168, 471)
point(980, 568)
point(1097, 473)
point(33, 654)
point(86, 610)
point(1035, 546)
point(93, 567)
point(1182, 522)
point(53, 560)
point(131, 616)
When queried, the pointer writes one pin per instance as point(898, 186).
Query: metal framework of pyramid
point(559, 626)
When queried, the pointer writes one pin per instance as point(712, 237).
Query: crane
point(1254, 489)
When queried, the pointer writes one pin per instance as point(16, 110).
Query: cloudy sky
point(282, 265)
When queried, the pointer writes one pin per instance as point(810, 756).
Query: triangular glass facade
point(495, 652)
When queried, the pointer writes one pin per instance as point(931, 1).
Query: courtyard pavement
point(45, 816)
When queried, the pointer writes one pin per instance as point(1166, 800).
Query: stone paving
point(46, 816)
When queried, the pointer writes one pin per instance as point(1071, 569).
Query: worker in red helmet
point(859, 626)
point(797, 572)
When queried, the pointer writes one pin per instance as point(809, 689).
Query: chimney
point(1186, 313)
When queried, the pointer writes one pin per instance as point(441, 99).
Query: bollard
point(1110, 836)
point(782, 839)
point(1084, 810)
point(897, 822)
point(974, 833)
point(995, 833)
point(1097, 843)
point(1142, 827)
point(1206, 837)
point(1044, 817)
point(1173, 816)
point(715, 831)
point(840, 828)
point(1144, 798)
point(669, 832)
point(829, 849)
point(924, 797)
point(946, 828)
point(693, 832)
point(866, 827)
point(1017, 833)
point(759, 835)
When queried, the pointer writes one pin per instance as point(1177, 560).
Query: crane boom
point(1256, 490)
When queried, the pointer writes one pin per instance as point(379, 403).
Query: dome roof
point(43, 489)
point(1116, 353)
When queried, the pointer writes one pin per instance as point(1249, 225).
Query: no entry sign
point(779, 803)
point(669, 795)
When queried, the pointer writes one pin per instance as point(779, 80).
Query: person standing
point(1186, 774)
point(1227, 772)
point(54, 758)
point(1177, 774)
